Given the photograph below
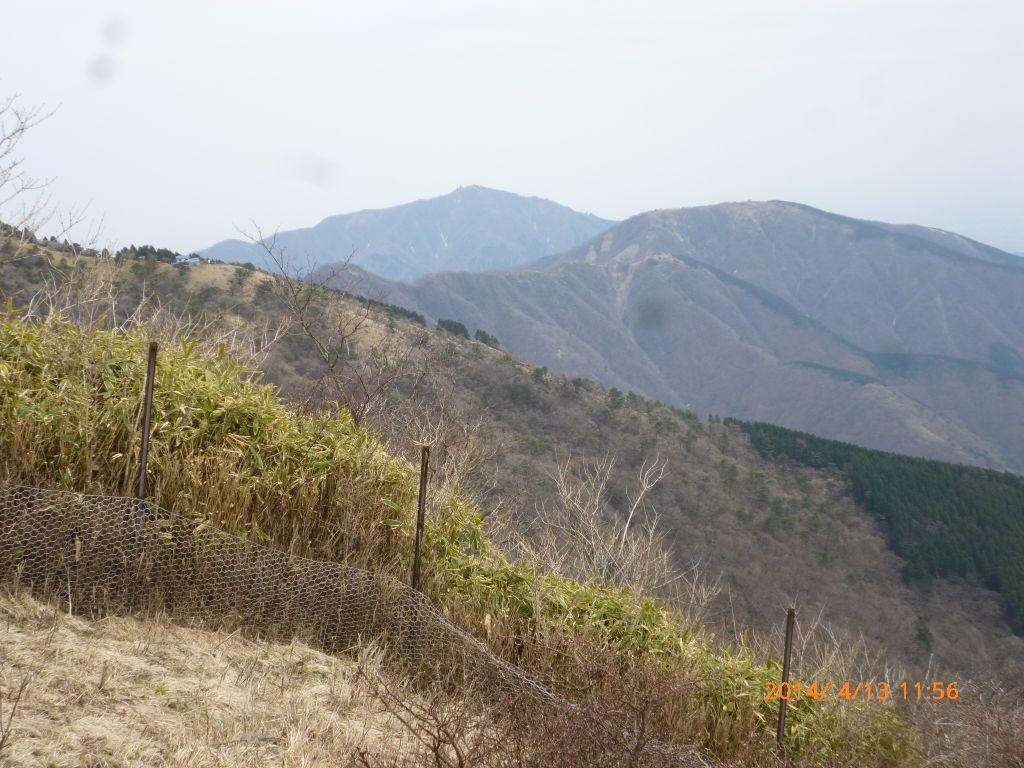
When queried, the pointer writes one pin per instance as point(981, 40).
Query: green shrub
point(485, 338)
point(454, 327)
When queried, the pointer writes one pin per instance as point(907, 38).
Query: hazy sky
point(180, 122)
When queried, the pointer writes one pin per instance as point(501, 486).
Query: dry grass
point(124, 692)
point(133, 692)
point(984, 729)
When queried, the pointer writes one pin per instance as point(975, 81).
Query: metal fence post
point(147, 418)
point(783, 701)
point(421, 513)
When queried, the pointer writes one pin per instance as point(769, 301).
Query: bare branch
point(336, 328)
point(650, 475)
point(23, 203)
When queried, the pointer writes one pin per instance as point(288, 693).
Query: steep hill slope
point(227, 452)
point(772, 533)
point(131, 692)
point(473, 229)
point(894, 337)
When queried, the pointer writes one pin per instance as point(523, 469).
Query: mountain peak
point(468, 188)
point(471, 229)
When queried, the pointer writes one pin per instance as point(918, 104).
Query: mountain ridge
point(895, 337)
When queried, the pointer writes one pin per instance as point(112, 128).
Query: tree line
point(942, 519)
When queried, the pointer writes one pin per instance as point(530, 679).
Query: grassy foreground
point(123, 692)
point(226, 448)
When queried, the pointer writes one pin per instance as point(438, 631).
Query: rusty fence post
point(147, 419)
point(784, 700)
point(421, 514)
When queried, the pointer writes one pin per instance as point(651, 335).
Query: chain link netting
point(111, 554)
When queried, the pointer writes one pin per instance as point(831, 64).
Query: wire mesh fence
point(110, 554)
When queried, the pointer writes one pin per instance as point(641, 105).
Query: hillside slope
point(472, 229)
point(893, 337)
point(294, 482)
point(131, 692)
point(772, 533)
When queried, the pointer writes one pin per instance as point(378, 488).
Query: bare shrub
point(23, 204)
point(580, 536)
point(357, 370)
point(617, 714)
point(984, 728)
point(577, 536)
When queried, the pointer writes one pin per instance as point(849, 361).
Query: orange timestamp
point(872, 690)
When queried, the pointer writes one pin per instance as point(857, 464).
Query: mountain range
point(896, 337)
point(473, 229)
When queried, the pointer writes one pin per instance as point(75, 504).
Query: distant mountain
point(895, 337)
point(473, 229)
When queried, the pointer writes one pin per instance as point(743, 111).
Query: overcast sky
point(180, 123)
